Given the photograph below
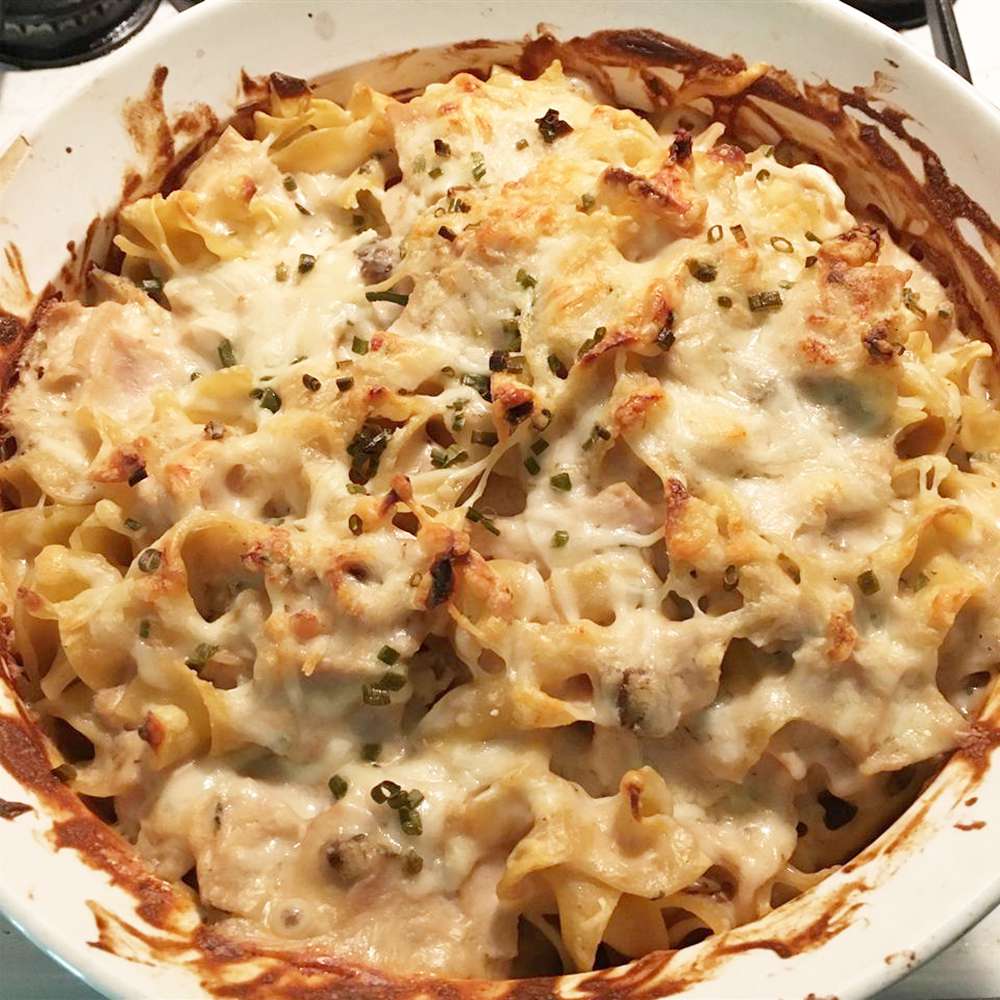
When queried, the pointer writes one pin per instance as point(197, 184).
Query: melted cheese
point(507, 521)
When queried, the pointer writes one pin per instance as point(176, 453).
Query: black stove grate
point(39, 33)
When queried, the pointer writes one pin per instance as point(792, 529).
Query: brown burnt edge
point(11, 810)
point(221, 962)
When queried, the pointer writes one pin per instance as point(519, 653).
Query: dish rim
point(119, 981)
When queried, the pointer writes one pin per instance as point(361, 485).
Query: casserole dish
point(799, 949)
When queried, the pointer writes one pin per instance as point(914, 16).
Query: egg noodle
point(498, 533)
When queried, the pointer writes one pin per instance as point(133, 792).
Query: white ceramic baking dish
point(77, 893)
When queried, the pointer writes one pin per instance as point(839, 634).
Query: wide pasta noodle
point(485, 534)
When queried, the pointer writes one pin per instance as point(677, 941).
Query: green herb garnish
point(227, 358)
point(760, 301)
point(399, 298)
point(477, 517)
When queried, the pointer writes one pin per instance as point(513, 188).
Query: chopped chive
point(481, 383)
point(586, 203)
point(355, 524)
point(434, 173)
point(132, 524)
point(478, 166)
point(592, 341)
point(337, 786)
point(725, 302)
point(290, 182)
point(446, 234)
point(526, 280)
point(410, 822)
point(144, 629)
point(531, 464)
point(763, 176)
point(786, 284)
point(444, 458)
point(715, 234)
point(366, 449)
point(227, 358)
point(477, 517)
point(419, 164)
point(312, 383)
point(375, 696)
point(760, 301)
point(739, 234)
point(415, 579)
point(702, 270)
point(599, 433)
point(356, 489)
point(149, 560)
point(730, 577)
point(306, 263)
point(782, 245)
point(488, 438)
point(371, 751)
point(557, 367)
point(399, 298)
point(343, 384)
point(868, 583)
point(812, 237)
point(539, 446)
point(270, 400)
point(521, 144)
point(392, 681)
point(442, 148)
point(302, 208)
point(388, 655)
point(498, 361)
point(256, 392)
point(281, 272)
point(359, 345)
point(811, 260)
point(561, 481)
point(203, 652)
point(384, 791)
point(560, 539)
point(413, 863)
point(458, 421)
